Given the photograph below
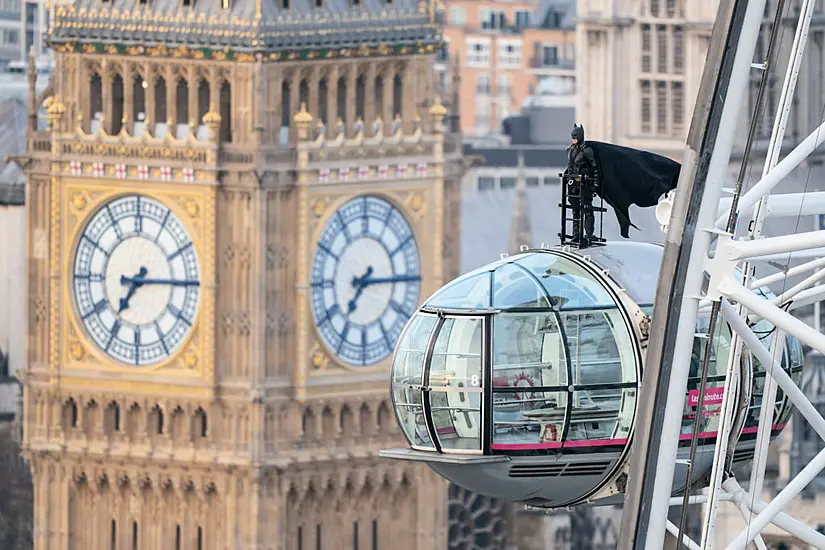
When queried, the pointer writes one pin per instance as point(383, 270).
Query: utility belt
point(581, 184)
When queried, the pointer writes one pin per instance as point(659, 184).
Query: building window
point(486, 183)
point(654, 8)
point(522, 19)
point(678, 106)
point(661, 48)
point(509, 54)
point(661, 107)
point(549, 180)
point(225, 4)
point(646, 48)
point(478, 53)
point(482, 117)
point(458, 16)
point(670, 8)
point(493, 19)
point(507, 183)
point(532, 181)
point(645, 107)
point(503, 86)
point(678, 50)
point(13, 37)
point(549, 56)
point(483, 85)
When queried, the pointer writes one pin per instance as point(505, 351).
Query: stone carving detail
point(271, 255)
point(40, 310)
point(229, 253)
point(243, 323)
point(244, 257)
point(227, 323)
point(475, 522)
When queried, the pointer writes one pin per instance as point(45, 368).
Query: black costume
point(582, 178)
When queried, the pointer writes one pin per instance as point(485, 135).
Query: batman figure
point(582, 179)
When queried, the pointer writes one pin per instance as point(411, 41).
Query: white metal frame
point(724, 266)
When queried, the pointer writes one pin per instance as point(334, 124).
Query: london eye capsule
point(519, 380)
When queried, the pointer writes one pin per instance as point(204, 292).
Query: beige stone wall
point(252, 436)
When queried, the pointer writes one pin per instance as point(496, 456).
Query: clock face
point(365, 281)
point(136, 280)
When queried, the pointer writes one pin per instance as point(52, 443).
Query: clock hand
point(124, 302)
point(353, 303)
point(133, 286)
point(142, 281)
point(356, 282)
point(365, 281)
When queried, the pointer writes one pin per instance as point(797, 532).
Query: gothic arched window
point(182, 101)
point(117, 105)
point(226, 112)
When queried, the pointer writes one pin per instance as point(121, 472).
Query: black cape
point(630, 176)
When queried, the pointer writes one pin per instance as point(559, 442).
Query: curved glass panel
point(568, 285)
point(714, 389)
point(408, 363)
point(603, 373)
point(564, 378)
point(455, 380)
point(515, 288)
point(464, 293)
point(456, 360)
point(457, 420)
point(407, 378)
point(635, 266)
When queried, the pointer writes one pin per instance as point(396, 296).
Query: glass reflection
point(455, 379)
point(714, 388)
point(407, 375)
point(457, 420)
point(464, 293)
point(514, 287)
point(410, 411)
point(408, 364)
point(603, 371)
point(456, 360)
point(568, 285)
point(545, 362)
point(528, 420)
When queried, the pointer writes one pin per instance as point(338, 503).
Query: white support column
point(794, 159)
point(783, 499)
point(716, 175)
point(787, 322)
point(792, 272)
point(803, 405)
point(789, 204)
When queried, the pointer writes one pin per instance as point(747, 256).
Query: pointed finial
point(438, 110)
point(302, 121)
point(303, 115)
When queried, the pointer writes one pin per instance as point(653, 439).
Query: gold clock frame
point(414, 202)
point(75, 357)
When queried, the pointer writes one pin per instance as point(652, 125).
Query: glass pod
point(519, 379)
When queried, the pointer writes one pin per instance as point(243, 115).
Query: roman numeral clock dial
point(136, 280)
point(365, 280)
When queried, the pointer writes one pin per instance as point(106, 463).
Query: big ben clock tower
point(234, 210)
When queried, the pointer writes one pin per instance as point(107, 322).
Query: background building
point(250, 413)
point(504, 49)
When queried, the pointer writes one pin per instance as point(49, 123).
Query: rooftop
point(246, 26)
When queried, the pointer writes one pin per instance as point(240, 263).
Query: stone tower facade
point(235, 207)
